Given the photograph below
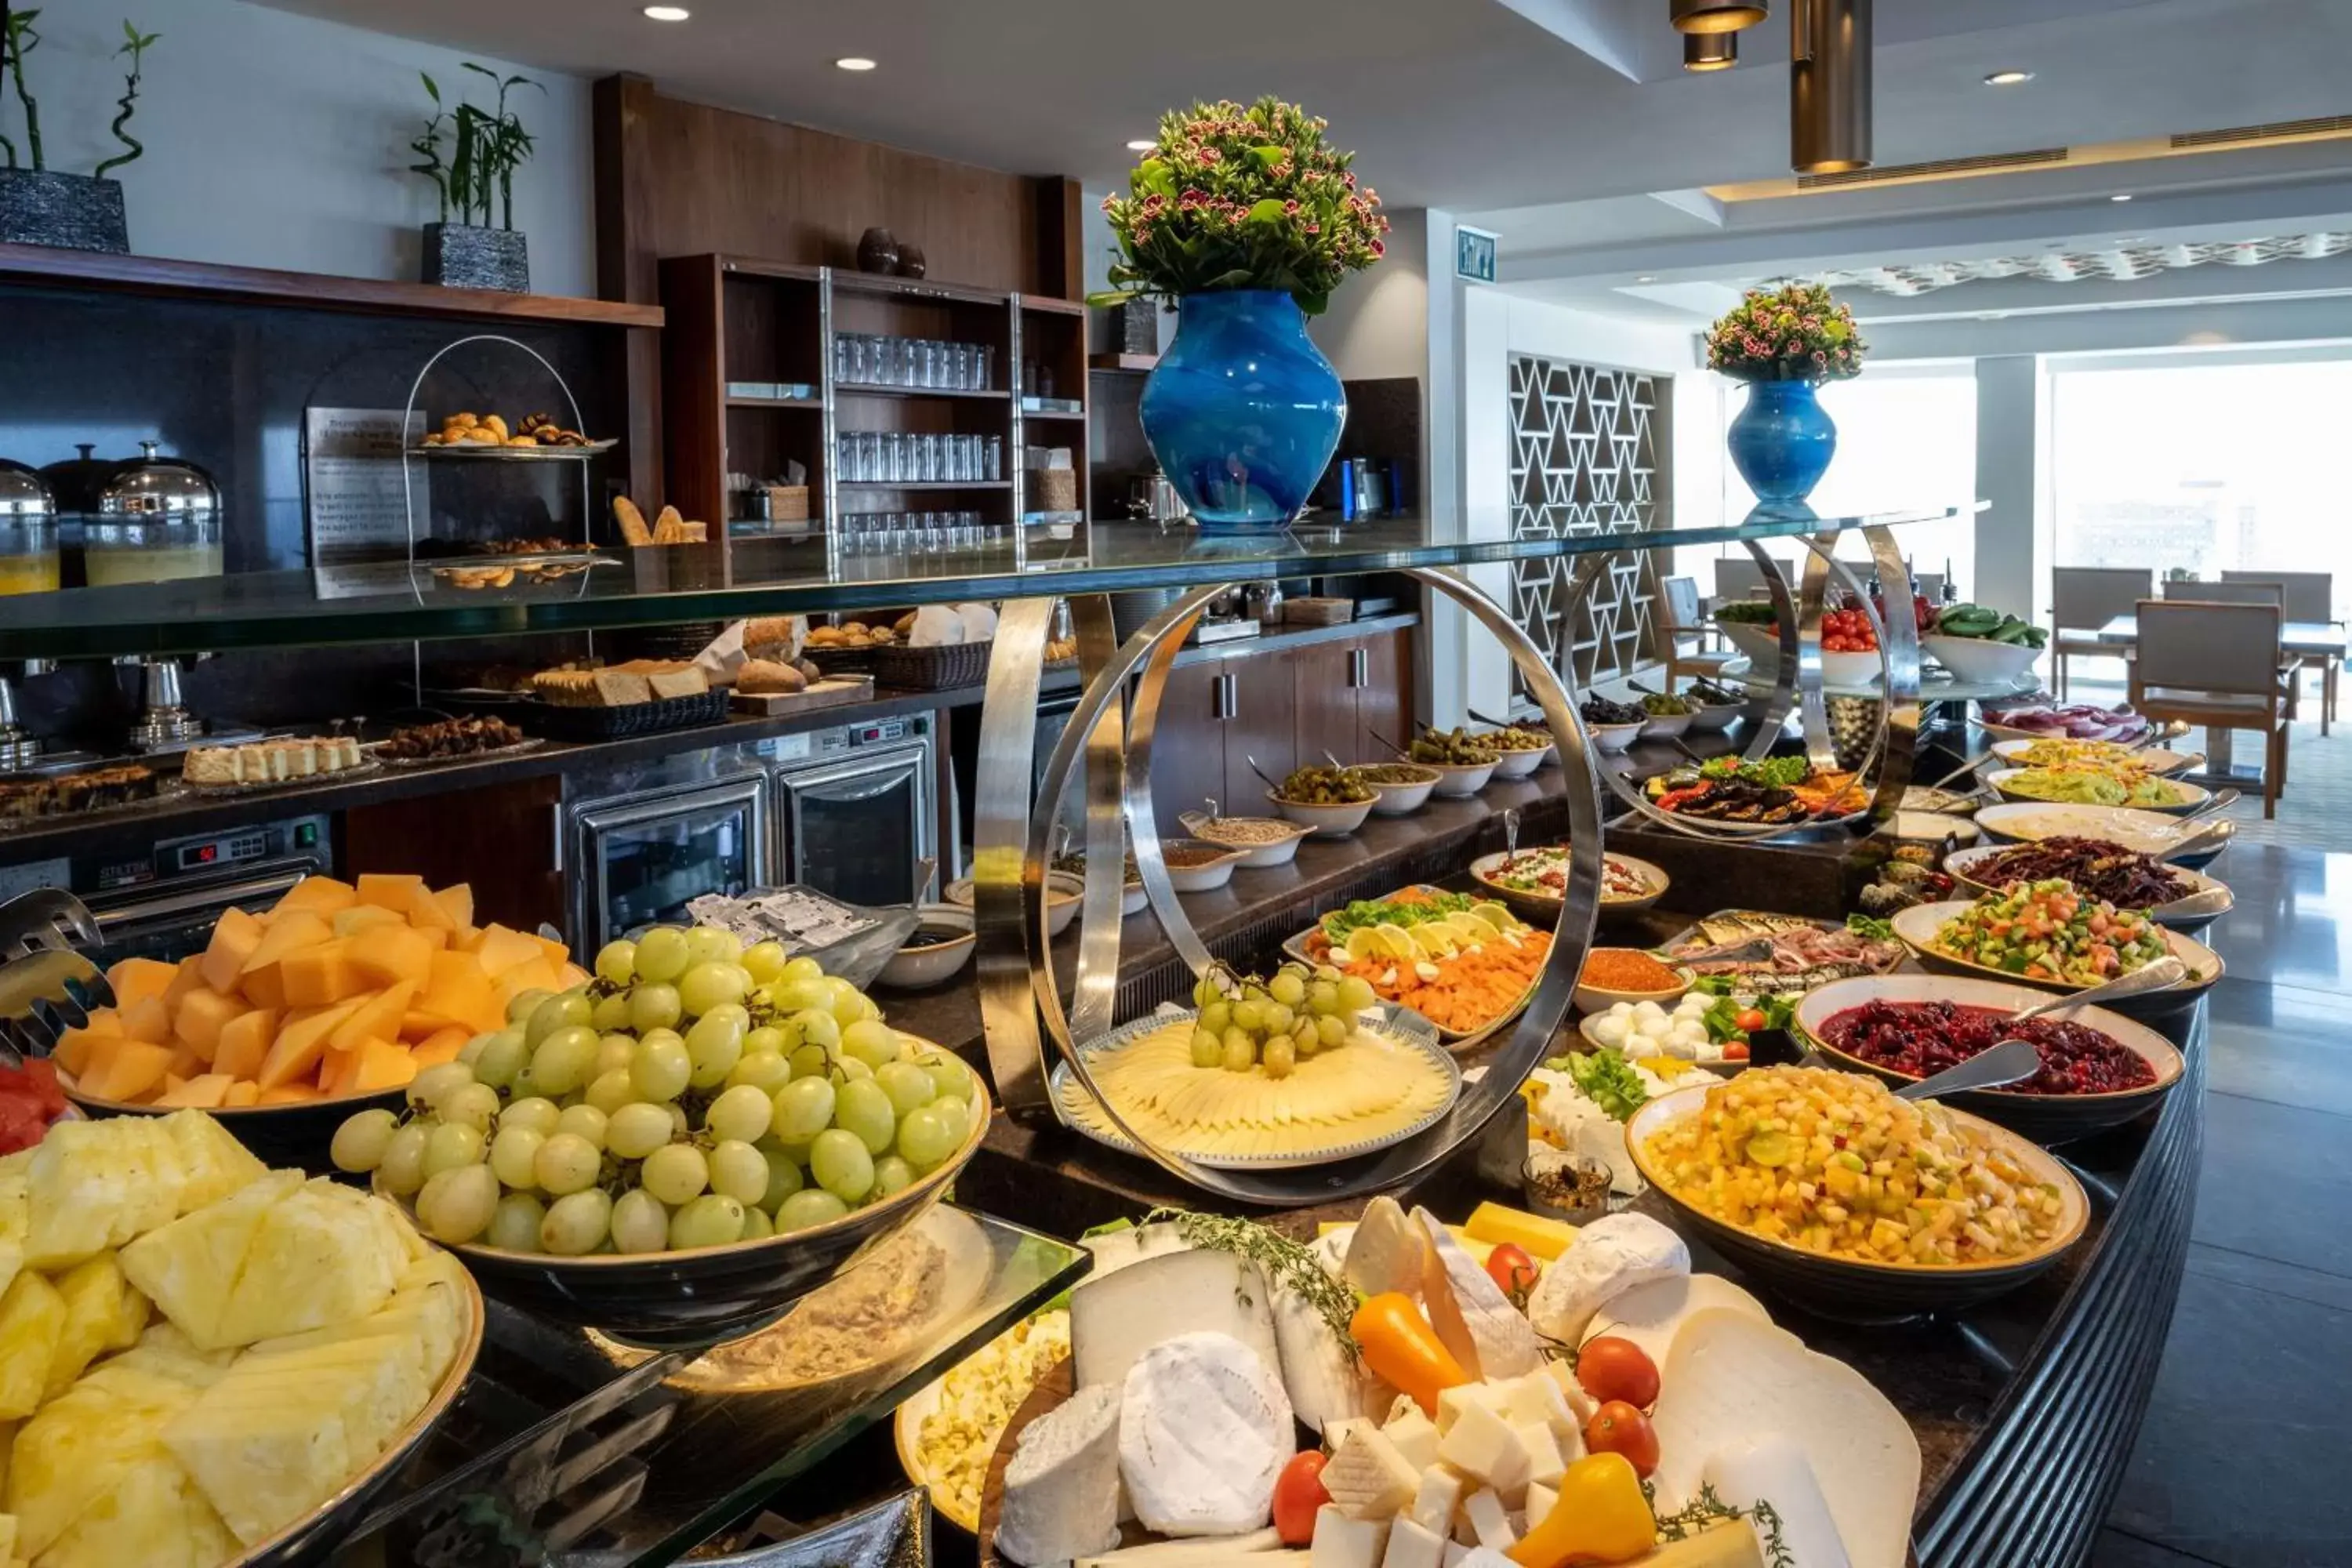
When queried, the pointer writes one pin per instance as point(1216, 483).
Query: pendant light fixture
point(1710, 51)
point(1829, 86)
point(1717, 15)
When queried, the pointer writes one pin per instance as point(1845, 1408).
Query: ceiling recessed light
point(668, 13)
point(2120, 196)
point(2008, 77)
point(1144, 146)
point(855, 63)
point(1646, 278)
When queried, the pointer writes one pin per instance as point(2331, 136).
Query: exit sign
point(1473, 255)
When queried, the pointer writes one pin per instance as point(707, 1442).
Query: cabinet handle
point(1225, 696)
point(1359, 667)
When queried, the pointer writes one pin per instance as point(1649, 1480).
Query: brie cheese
point(1508, 1346)
point(1203, 1430)
point(1611, 1256)
point(1116, 1321)
point(1061, 1489)
point(1773, 1469)
point(1650, 1315)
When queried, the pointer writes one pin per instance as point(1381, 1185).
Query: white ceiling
point(1563, 124)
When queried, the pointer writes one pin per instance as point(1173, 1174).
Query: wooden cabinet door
point(1188, 748)
point(1262, 725)
point(1384, 699)
point(1324, 690)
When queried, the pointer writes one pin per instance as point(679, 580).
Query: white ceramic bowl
point(1403, 799)
point(1917, 926)
point(913, 968)
point(1209, 874)
point(1596, 999)
point(2190, 796)
point(2209, 900)
point(2146, 832)
point(1065, 892)
point(1979, 659)
point(1714, 717)
point(1666, 726)
point(1617, 737)
point(1132, 899)
point(1519, 765)
point(1254, 857)
point(1328, 821)
point(1458, 780)
point(2156, 760)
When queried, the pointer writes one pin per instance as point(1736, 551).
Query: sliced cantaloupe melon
point(263, 979)
point(501, 949)
point(377, 1017)
point(537, 974)
point(189, 977)
point(389, 890)
point(384, 954)
point(320, 896)
point(243, 1094)
point(438, 1048)
point(456, 901)
point(382, 1064)
point(359, 916)
point(458, 989)
point(301, 1039)
point(137, 978)
point(208, 1091)
point(235, 937)
point(320, 975)
point(128, 1069)
point(245, 1042)
point(148, 1021)
point(290, 1094)
point(204, 1013)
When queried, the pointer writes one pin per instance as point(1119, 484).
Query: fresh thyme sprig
point(1708, 1509)
point(1286, 1263)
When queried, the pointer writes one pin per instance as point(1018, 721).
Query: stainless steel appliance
point(639, 840)
point(162, 903)
point(856, 808)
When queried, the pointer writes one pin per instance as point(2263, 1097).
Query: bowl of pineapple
point(677, 1151)
point(330, 1002)
point(204, 1361)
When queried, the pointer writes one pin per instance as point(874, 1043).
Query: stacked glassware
point(866, 359)
point(909, 457)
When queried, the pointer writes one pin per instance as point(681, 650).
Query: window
point(2208, 467)
point(1906, 441)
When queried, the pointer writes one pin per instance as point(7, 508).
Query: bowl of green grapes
point(680, 1150)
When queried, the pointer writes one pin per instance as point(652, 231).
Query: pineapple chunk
point(32, 1322)
point(83, 1445)
point(213, 1163)
point(263, 1465)
point(96, 1184)
point(190, 1267)
point(103, 1314)
point(8, 1540)
point(327, 1255)
point(370, 1388)
point(154, 1516)
point(164, 1351)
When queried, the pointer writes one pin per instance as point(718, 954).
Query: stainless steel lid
point(155, 486)
point(23, 497)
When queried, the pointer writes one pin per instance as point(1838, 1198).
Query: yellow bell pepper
point(1399, 1345)
point(1601, 1517)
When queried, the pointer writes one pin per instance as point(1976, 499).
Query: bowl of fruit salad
point(680, 1150)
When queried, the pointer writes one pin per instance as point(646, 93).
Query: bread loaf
point(761, 677)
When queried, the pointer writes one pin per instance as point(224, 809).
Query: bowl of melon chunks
point(293, 1018)
point(205, 1362)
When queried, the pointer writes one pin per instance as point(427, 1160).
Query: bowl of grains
point(948, 1431)
point(1263, 840)
point(1196, 865)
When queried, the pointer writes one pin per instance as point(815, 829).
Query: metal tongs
point(47, 921)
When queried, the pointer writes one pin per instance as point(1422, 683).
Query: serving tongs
point(2161, 975)
point(47, 921)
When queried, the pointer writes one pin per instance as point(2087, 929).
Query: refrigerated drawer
point(639, 859)
point(860, 826)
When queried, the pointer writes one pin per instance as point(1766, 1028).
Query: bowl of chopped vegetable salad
point(2048, 935)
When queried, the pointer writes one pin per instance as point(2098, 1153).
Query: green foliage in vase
point(135, 44)
point(19, 38)
point(1242, 198)
point(1794, 333)
point(487, 146)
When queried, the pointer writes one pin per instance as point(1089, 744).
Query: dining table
point(2325, 641)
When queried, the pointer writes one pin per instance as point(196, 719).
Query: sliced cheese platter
point(1396, 1394)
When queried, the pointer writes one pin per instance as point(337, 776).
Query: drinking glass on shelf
point(985, 369)
point(932, 471)
point(899, 363)
point(992, 464)
point(966, 366)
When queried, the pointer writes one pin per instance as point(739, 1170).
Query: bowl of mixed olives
point(1403, 787)
point(1464, 762)
point(1667, 715)
point(1614, 726)
point(1334, 802)
point(1517, 753)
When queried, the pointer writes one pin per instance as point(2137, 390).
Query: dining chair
point(2310, 596)
point(1738, 577)
point(2220, 665)
point(2082, 600)
point(2249, 591)
point(1678, 619)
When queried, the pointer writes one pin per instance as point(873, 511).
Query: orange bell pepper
point(1399, 1344)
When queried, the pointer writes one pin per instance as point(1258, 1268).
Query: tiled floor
point(2241, 1458)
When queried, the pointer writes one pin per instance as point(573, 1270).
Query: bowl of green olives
point(1334, 802)
point(1404, 787)
point(1668, 716)
point(1517, 753)
point(1464, 761)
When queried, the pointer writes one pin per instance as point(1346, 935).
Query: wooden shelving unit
point(734, 318)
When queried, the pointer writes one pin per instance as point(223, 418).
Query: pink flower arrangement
point(1794, 333)
point(1260, 203)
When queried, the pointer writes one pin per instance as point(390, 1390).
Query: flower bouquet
point(1794, 333)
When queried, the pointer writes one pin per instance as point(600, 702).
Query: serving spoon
point(2165, 972)
point(2006, 1062)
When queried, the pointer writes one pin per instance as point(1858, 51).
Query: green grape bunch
point(1245, 1022)
point(695, 1093)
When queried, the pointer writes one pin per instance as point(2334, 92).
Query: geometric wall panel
point(1585, 460)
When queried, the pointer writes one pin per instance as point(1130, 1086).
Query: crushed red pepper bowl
point(2046, 1119)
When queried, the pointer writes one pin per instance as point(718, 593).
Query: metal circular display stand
point(1020, 998)
point(1797, 686)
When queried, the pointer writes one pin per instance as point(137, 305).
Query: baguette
point(632, 521)
point(669, 527)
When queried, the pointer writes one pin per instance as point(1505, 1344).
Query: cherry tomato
point(1510, 1268)
point(1750, 1019)
point(1298, 1492)
point(1618, 1429)
point(1617, 1371)
point(1734, 1050)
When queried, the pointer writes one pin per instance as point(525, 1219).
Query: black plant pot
point(460, 256)
point(72, 211)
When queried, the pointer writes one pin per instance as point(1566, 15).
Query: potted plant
point(1247, 221)
point(487, 146)
point(39, 206)
point(1784, 342)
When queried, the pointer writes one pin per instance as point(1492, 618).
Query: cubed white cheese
point(1415, 1437)
point(1367, 1477)
point(1455, 1553)
point(1489, 1521)
point(1410, 1546)
point(1544, 1464)
point(1482, 1446)
point(1343, 1542)
point(1539, 1396)
point(1437, 1499)
point(1337, 1432)
point(1453, 1402)
point(1542, 1501)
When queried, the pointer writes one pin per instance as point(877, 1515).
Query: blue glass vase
point(1781, 443)
point(1244, 411)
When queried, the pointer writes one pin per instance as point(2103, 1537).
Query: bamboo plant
point(18, 38)
point(486, 148)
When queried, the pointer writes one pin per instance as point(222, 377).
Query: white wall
point(1377, 322)
point(280, 140)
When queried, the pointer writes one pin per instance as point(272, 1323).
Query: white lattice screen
point(1585, 457)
